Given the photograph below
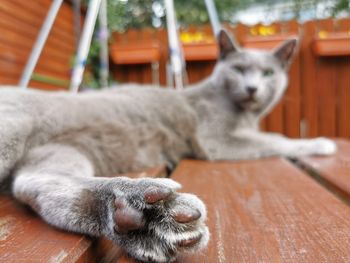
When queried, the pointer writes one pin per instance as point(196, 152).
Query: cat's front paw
point(323, 146)
point(154, 223)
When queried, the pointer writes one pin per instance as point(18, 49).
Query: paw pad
point(127, 218)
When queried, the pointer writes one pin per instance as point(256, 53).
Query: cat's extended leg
point(14, 132)
point(145, 216)
point(250, 144)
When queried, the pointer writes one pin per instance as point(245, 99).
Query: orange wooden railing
point(20, 22)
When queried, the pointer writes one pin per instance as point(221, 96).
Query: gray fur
point(60, 147)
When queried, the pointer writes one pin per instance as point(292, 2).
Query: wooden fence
point(20, 22)
point(317, 102)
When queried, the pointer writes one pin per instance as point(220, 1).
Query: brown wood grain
point(292, 98)
point(266, 211)
point(326, 88)
point(333, 170)
point(309, 103)
point(326, 95)
point(335, 44)
point(274, 120)
point(343, 99)
point(37, 20)
point(20, 23)
point(24, 237)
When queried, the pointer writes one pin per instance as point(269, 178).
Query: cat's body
point(57, 147)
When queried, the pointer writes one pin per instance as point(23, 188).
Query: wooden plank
point(27, 31)
point(326, 89)
point(19, 25)
point(266, 211)
point(309, 101)
point(343, 91)
point(263, 124)
point(343, 97)
point(21, 13)
point(333, 171)
point(10, 49)
point(164, 55)
point(146, 74)
point(40, 8)
point(326, 94)
point(292, 98)
point(52, 68)
point(275, 119)
point(24, 237)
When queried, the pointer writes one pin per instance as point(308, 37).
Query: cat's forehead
point(253, 56)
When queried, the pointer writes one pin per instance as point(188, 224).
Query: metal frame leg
point(84, 44)
point(103, 38)
point(176, 57)
point(213, 15)
point(39, 44)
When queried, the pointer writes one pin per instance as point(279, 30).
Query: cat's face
point(253, 79)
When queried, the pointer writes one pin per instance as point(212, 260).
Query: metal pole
point(39, 44)
point(174, 44)
point(213, 15)
point(84, 44)
point(103, 38)
point(77, 21)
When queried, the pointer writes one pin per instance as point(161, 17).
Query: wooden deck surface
point(266, 211)
point(333, 171)
point(24, 237)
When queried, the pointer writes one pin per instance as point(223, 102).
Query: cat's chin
point(248, 105)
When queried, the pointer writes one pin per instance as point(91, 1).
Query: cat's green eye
point(268, 72)
point(239, 69)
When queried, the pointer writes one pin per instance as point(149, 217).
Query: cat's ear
point(226, 44)
point(286, 51)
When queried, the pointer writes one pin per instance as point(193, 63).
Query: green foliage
point(92, 72)
point(124, 14)
point(132, 13)
point(340, 6)
point(195, 12)
point(148, 13)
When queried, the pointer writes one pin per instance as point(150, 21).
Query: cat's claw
point(154, 223)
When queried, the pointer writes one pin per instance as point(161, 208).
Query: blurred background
point(317, 102)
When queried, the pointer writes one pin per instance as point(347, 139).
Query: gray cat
point(59, 149)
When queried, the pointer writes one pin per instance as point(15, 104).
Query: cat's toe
point(155, 194)
point(183, 224)
point(195, 243)
point(185, 215)
point(159, 182)
point(188, 205)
